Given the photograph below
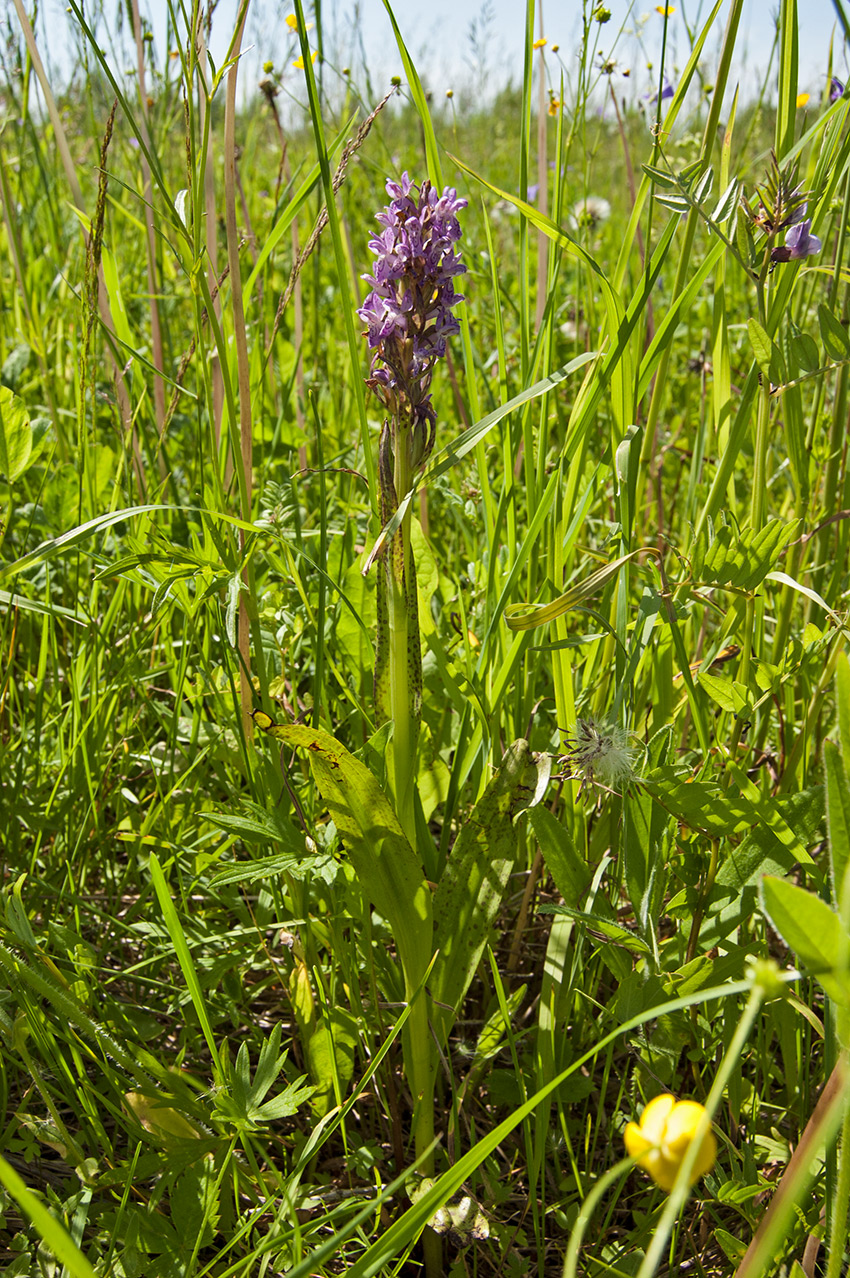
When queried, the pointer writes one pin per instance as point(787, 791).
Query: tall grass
point(257, 1017)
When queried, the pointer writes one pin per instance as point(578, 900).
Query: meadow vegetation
point(302, 977)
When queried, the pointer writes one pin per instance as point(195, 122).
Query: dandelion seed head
point(601, 752)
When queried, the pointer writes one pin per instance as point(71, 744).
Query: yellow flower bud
point(661, 1140)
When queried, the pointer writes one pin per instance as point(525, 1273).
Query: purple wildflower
point(666, 92)
point(799, 243)
point(532, 192)
point(836, 90)
point(408, 313)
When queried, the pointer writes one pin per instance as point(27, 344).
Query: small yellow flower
point(554, 106)
point(538, 44)
point(666, 10)
point(292, 23)
point(299, 61)
point(802, 99)
point(660, 1142)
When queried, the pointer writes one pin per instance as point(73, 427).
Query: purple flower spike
point(799, 243)
point(408, 314)
point(836, 90)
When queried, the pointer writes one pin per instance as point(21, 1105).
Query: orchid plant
point(409, 314)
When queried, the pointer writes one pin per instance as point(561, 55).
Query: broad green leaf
point(761, 344)
point(833, 334)
point(804, 352)
point(644, 823)
point(15, 435)
point(383, 860)
point(469, 894)
point(730, 695)
point(570, 873)
point(762, 852)
point(813, 931)
point(770, 814)
point(160, 1119)
point(838, 828)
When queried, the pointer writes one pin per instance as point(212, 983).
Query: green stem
point(587, 1209)
point(404, 653)
point(681, 1190)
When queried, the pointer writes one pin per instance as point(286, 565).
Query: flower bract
point(661, 1140)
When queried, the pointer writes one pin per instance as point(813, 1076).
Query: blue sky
point(440, 35)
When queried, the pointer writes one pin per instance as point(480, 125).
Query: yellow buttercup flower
point(541, 43)
point(299, 61)
point(802, 99)
point(666, 10)
point(661, 1140)
point(292, 22)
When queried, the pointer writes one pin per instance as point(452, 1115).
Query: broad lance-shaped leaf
point(473, 883)
point(15, 435)
point(383, 860)
point(815, 933)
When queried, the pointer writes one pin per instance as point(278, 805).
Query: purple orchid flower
point(408, 313)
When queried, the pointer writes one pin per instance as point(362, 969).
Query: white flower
point(590, 212)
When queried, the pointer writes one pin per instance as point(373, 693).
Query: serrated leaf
point(833, 334)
